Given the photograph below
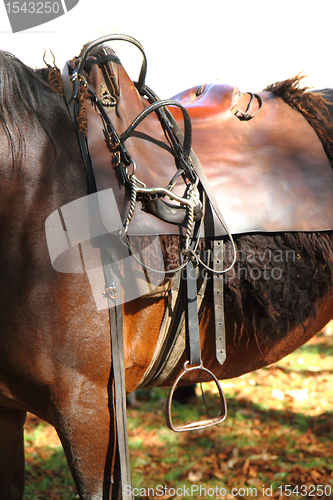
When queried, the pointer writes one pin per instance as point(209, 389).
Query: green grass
point(279, 431)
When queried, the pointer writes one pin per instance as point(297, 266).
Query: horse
point(56, 353)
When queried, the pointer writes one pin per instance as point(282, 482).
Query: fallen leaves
point(279, 432)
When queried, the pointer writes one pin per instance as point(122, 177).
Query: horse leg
point(11, 454)
point(86, 429)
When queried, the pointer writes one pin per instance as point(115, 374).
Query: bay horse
point(55, 356)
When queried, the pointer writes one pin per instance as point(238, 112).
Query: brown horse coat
point(55, 346)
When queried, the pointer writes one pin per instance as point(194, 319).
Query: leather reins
point(189, 167)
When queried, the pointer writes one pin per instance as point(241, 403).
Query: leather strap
point(73, 108)
point(218, 279)
point(115, 309)
point(221, 229)
point(109, 38)
point(154, 107)
point(192, 320)
point(118, 369)
point(101, 60)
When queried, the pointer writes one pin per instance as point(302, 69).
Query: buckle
point(116, 160)
point(112, 292)
point(114, 139)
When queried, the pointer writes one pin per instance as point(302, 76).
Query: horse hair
point(277, 281)
point(278, 277)
point(23, 93)
point(312, 105)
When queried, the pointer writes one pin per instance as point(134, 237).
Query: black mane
point(23, 96)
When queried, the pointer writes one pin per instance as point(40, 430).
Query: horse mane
point(23, 94)
point(311, 105)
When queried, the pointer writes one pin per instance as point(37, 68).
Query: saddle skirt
point(267, 174)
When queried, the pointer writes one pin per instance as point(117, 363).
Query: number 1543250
point(33, 7)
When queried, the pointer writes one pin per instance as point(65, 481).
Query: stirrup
point(200, 424)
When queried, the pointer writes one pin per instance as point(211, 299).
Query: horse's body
point(55, 355)
point(46, 315)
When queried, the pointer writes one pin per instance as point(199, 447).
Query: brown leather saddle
point(268, 173)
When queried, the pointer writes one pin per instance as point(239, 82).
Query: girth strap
point(171, 343)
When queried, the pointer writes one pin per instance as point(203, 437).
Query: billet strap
point(118, 369)
point(218, 282)
point(220, 341)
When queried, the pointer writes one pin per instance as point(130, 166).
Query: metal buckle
point(114, 139)
point(112, 292)
point(116, 160)
point(200, 424)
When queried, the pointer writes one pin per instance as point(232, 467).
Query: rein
point(191, 212)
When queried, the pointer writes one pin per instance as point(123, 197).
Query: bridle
point(192, 210)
